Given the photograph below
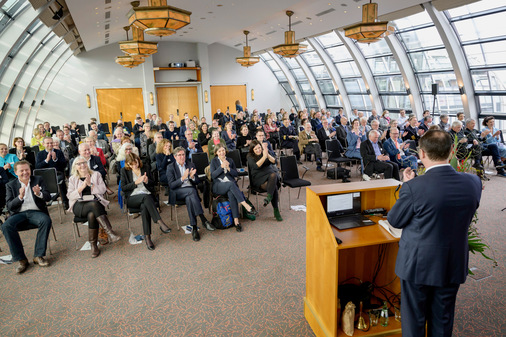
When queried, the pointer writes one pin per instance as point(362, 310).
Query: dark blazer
point(229, 141)
point(4, 179)
point(174, 175)
point(96, 165)
point(341, 134)
point(322, 136)
point(162, 161)
point(367, 152)
point(435, 210)
point(12, 195)
point(60, 164)
point(171, 135)
point(184, 144)
point(128, 182)
point(217, 171)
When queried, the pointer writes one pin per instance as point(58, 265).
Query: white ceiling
point(222, 21)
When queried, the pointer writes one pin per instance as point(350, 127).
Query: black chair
point(255, 190)
point(50, 177)
point(176, 143)
point(201, 161)
point(82, 130)
point(35, 149)
point(113, 126)
point(75, 228)
point(128, 125)
point(174, 203)
point(334, 154)
point(105, 127)
point(236, 157)
point(89, 127)
point(290, 175)
point(128, 211)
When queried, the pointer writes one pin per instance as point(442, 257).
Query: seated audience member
point(26, 199)
point(218, 115)
point(402, 120)
point(463, 150)
point(101, 144)
point(225, 118)
point(477, 140)
point(190, 145)
point(160, 125)
point(182, 178)
point(399, 151)
point(363, 125)
point(243, 141)
point(264, 174)
point(37, 139)
point(342, 130)
point(7, 161)
point(94, 150)
point(66, 147)
point(354, 138)
point(171, 119)
point(163, 158)
point(184, 127)
point(223, 174)
point(339, 115)
point(49, 130)
point(195, 120)
point(308, 144)
point(384, 120)
point(67, 135)
point(215, 126)
point(43, 131)
point(171, 134)
point(443, 123)
point(239, 120)
point(326, 132)
point(19, 148)
point(116, 143)
point(229, 136)
point(493, 135)
point(75, 133)
point(425, 114)
point(411, 131)
point(260, 136)
point(3, 181)
point(271, 131)
point(316, 123)
point(386, 133)
point(215, 140)
point(203, 120)
point(51, 157)
point(375, 125)
point(254, 125)
point(195, 131)
point(139, 188)
point(375, 160)
point(204, 135)
point(85, 182)
point(427, 122)
point(374, 116)
point(94, 162)
point(289, 138)
point(145, 140)
point(99, 133)
point(152, 147)
point(126, 130)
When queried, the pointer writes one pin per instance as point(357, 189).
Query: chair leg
point(60, 206)
point(298, 195)
point(289, 198)
point(54, 234)
point(74, 227)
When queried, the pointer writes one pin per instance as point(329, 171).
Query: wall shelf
point(196, 69)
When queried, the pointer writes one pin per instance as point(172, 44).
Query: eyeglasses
point(81, 163)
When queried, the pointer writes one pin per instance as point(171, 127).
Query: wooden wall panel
point(112, 102)
point(226, 95)
point(172, 98)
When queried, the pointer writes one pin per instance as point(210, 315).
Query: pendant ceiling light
point(129, 61)
point(137, 46)
point(290, 48)
point(247, 60)
point(157, 18)
point(369, 30)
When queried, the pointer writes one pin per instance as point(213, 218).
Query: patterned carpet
point(228, 284)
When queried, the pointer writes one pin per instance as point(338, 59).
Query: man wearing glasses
point(398, 151)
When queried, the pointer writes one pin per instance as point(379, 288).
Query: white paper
point(395, 232)
point(7, 259)
point(298, 208)
point(132, 240)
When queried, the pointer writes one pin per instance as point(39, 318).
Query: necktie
point(397, 146)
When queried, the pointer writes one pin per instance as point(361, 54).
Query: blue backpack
point(222, 214)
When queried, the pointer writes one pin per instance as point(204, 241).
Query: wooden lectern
point(329, 263)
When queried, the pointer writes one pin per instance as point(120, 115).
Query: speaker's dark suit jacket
point(435, 211)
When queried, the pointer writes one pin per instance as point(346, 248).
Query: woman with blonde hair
point(163, 158)
point(38, 139)
point(85, 192)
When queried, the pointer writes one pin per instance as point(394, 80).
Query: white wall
point(225, 71)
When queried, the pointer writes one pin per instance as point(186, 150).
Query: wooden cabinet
point(329, 263)
point(193, 70)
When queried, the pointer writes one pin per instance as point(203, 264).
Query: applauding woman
point(163, 158)
point(85, 192)
point(213, 142)
point(264, 175)
point(138, 186)
point(229, 135)
point(223, 173)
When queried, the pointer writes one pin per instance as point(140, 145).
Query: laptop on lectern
point(344, 210)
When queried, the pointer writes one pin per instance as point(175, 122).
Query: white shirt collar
point(439, 165)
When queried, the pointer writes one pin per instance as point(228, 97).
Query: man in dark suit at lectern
point(434, 210)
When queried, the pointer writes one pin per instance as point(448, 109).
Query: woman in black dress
point(163, 158)
point(139, 189)
point(264, 174)
point(254, 125)
point(243, 141)
point(204, 135)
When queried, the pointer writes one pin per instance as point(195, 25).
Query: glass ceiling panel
point(361, 102)
point(299, 74)
point(390, 84)
point(445, 104)
point(354, 85)
point(320, 72)
point(489, 80)
point(328, 40)
point(326, 87)
point(274, 66)
point(482, 27)
point(291, 63)
point(348, 69)
point(492, 104)
point(383, 65)
point(332, 100)
point(486, 54)
point(447, 82)
point(430, 60)
point(312, 58)
point(396, 102)
point(374, 49)
point(421, 38)
point(476, 7)
point(280, 76)
point(339, 54)
point(413, 21)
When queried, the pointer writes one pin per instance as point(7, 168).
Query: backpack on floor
point(222, 213)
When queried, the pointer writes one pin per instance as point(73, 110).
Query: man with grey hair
point(374, 116)
point(463, 149)
point(94, 162)
point(443, 122)
point(182, 178)
point(375, 126)
point(375, 158)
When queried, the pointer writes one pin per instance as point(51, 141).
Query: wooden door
point(114, 102)
point(223, 96)
point(170, 99)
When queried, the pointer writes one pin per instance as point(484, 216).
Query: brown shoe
point(41, 261)
point(103, 239)
point(22, 265)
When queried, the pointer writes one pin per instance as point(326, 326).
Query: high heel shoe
point(163, 227)
point(238, 227)
point(149, 243)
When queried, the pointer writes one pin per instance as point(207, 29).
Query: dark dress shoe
point(164, 228)
point(238, 227)
point(209, 226)
point(22, 266)
point(195, 234)
point(149, 243)
point(40, 261)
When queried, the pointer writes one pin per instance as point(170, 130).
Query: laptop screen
point(342, 204)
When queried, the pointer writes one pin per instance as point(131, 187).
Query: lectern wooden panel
point(329, 263)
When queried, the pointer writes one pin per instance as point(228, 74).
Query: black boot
point(195, 233)
point(103, 220)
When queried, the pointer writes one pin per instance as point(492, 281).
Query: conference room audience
point(171, 133)
point(364, 128)
point(375, 159)
point(254, 125)
point(68, 149)
point(342, 129)
point(3, 181)
point(163, 158)
point(354, 139)
point(7, 161)
point(152, 147)
point(271, 131)
point(85, 194)
point(191, 146)
point(443, 122)
point(223, 174)
point(411, 131)
point(243, 141)
point(386, 134)
point(195, 131)
point(425, 125)
point(402, 120)
point(289, 138)
point(95, 151)
point(145, 140)
point(19, 148)
point(493, 135)
point(374, 116)
point(463, 150)
point(139, 188)
point(309, 144)
point(260, 136)
point(100, 134)
point(204, 135)
point(213, 142)
point(229, 135)
point(38, 139)
point(264, 174)
point(384, 120)
point(325, 133)
point(398, 151)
